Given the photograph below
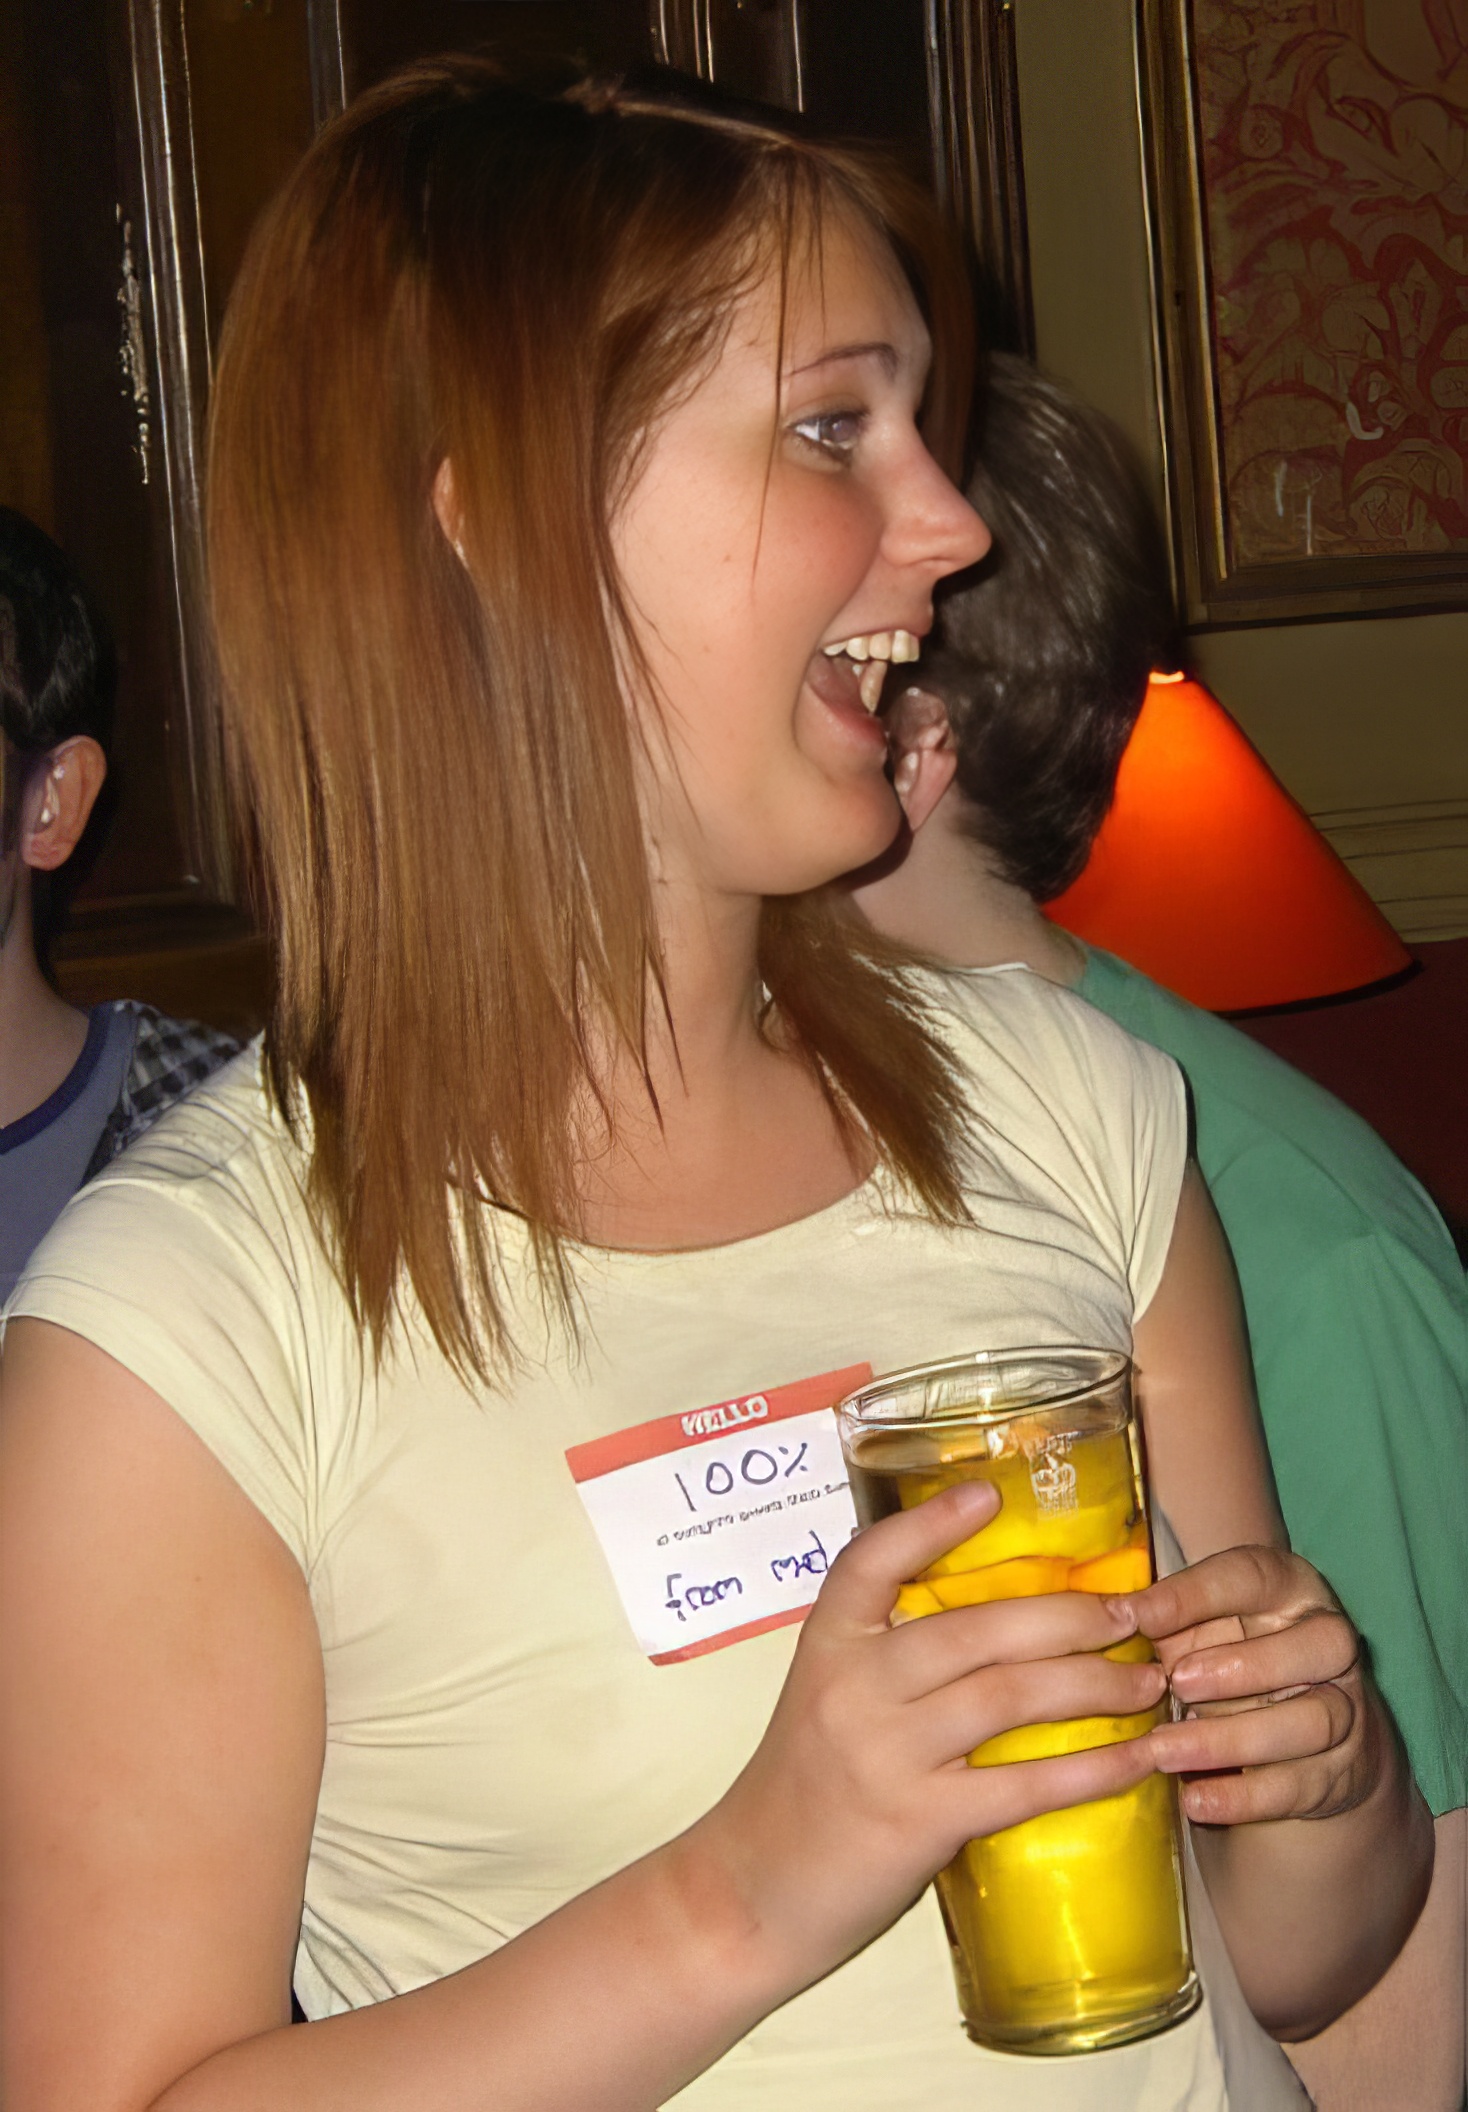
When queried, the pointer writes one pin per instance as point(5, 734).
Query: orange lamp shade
point(1208, 877)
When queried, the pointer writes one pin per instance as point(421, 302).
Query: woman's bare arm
point(1404, 2047)
point(161, 1743)
point(1206, 1457)
point(152, 1623)
point(1313, 1838)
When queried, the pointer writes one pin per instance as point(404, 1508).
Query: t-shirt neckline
point(72, 1086)
point(868, 1192)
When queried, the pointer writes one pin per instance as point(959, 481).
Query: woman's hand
point(860, 1790)
point(1284, 1727)
point(1267, 1667)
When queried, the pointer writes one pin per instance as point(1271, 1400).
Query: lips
point(838, 684)
point(848, 673)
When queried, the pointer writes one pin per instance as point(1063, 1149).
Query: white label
point(721, 1523)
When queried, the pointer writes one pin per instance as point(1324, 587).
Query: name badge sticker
point(721, 1523)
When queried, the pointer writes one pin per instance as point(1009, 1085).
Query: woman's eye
point(833, 433)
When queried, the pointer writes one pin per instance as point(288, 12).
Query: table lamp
point(1210, 878)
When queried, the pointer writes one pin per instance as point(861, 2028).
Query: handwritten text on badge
point(721, 1523)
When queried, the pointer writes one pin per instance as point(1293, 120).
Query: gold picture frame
point(1312, 296)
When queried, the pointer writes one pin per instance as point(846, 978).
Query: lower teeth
point(870, 681)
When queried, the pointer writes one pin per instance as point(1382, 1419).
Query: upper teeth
point(877, 645)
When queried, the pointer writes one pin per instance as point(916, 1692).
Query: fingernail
point(1122, 1611)
point(972, 1496)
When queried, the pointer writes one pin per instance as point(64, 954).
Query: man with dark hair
point(1005, 760)
point(75, 1086)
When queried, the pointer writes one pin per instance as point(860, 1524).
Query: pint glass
point(1069, 1932)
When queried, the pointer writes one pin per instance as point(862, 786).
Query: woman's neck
point(742, 1137)
point(947, 899)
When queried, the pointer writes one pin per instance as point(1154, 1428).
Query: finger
point(1249, 1701)
point(1322, 1646)
point(861, 1588)
point(1288, 1789)
point(1172, 1649)
point(941, 1647)
point(1309, 1724)
point(983, 1800)
point(1055, 1691)
point(1263, 1584)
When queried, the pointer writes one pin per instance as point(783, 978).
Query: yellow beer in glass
point(1069, 1932)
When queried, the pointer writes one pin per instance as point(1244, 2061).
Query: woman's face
point(746, 568)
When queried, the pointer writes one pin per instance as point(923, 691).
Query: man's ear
point(58, 803)
point(924, 758)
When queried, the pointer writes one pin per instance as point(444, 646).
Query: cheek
point(815, 556)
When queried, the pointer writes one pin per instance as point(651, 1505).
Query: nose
point(934, 525)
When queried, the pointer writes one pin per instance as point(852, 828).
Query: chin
point(862, 835)
point(886, 825)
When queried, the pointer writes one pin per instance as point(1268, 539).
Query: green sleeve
point(1362, 1387)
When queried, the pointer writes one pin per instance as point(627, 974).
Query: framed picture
point(1308, 168)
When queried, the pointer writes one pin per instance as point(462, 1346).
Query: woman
point(561, 442)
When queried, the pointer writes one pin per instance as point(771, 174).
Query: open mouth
point(864, 661)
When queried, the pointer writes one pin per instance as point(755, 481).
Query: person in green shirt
point(1005, 758)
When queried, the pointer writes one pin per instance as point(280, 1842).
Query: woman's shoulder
point(193, 1262)
point(1010, 1018)
point(225, 1140)
point(217, 1183)
point(1068, 1104)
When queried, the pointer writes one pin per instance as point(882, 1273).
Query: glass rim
point(1091, 1368)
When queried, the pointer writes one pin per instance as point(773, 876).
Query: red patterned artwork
point(1335, 182)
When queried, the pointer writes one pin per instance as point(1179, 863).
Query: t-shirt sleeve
point(1154, 1140)
point(1122, 1108)
point(1101, 1116)
point(192, 1289)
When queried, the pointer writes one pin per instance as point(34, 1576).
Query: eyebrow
point(886, 356)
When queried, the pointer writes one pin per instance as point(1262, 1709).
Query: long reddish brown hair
point(432, 761)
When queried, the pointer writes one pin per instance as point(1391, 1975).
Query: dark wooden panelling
point(101, 510)
point(866, 73)
point(250, 120)
point(754, 48)
point(973, 87)
point(377, 35)
point(203, 967)
point(25, 408)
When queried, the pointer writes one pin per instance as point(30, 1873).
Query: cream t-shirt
point(496, 1740)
